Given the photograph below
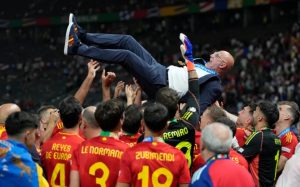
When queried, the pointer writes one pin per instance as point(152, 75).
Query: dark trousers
point(126, 51)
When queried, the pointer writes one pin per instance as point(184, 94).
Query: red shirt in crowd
point(98, 161)
point(154, 164)
point(56, 155)
point(131, 140)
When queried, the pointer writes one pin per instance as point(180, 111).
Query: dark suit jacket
point(210, 90)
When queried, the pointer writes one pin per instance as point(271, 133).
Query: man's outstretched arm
point(93, 67)
point(192, 108)
point(107, 79)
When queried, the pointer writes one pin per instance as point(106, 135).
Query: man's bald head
point(7, 109)
point(228, 59)
point(88, 115)
point(220, 61)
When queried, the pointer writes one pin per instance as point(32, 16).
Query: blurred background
point(263, 36)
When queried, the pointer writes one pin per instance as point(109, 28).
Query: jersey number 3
point(100, 165)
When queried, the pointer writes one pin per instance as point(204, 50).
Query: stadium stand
point(34, 71)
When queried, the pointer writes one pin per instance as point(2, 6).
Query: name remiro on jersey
point(176, 133)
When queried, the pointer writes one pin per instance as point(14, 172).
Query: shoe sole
point(67, 39)
point(181, 37)
point(71, 16)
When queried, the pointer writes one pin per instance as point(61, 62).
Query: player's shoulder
point(240, 130)
point(71, 136)
point(99, 140)
point(118, 143)
point(181, 127)
point(253, 136)
point(160, 147)
point(121, 142)
point(228, 164)
point(91, 141)
point(184, 123)
point(50, 141)
point(289, 138)
point(170, 149)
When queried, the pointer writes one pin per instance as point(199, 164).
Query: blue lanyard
point(284, 132)
point(218, 156)
point(206, 69)
point(151, 139)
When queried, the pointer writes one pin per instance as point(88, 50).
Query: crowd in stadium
point(128, 110)
point(40, 59)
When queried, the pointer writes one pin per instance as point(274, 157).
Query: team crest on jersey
point(288, 137)
point(192, 109)
point(60, 124)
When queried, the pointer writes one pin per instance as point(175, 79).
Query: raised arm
point(107, 79)
point(191, 111)
point(54, 117)
point(119, 88)
point(138, 90)
point(228, 114)
point(93, 67)
point(130, 94)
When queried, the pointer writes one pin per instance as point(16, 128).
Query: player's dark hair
point(156, 117)
point(44, 108)
point(109, 113)
point(294, 110)
point(229, 123)
point(252, 107)
point(70, 111)
point(18, 122)
point(132, 120)
point(270, 112)
point(169, 98)
point(215, 112)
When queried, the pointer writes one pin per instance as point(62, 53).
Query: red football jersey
point(289, 142)
point(154, 164)
point(238, 158)
point(233, 155)
point(56, 156)
point(60, 126)
point(197, 143)
point(242, 135)
point(3, 133)
point(130, 140)
point(98, 161)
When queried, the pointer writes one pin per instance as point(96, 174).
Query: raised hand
point(186, 48)
point(108, 78)
point(93, 67)
point(130, 94)
point(136, 86)
point(119, 88)
point(54, 116)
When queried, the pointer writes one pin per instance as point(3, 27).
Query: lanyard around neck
point(284, 132)
point(153, 139)
point(218, 156)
